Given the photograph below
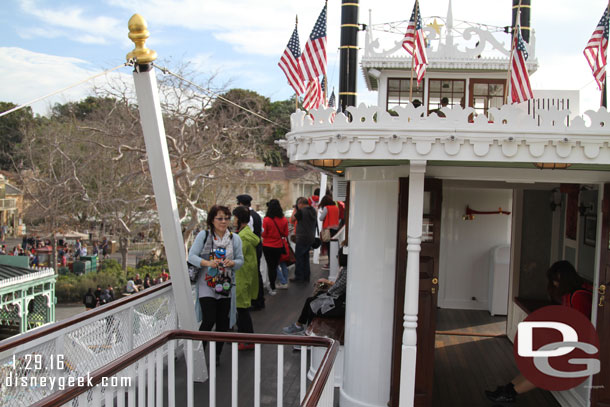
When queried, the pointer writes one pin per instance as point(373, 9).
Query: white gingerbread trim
point(513, 136)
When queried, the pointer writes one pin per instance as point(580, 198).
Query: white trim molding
point(507, 135)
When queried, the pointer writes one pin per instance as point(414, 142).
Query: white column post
point(163, 183)
point(316, 252)
point(371, 267)
point(409, 338)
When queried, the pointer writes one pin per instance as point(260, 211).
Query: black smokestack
point(526, 6)
point(349, 53)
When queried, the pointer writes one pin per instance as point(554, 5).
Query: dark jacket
point(306, 226)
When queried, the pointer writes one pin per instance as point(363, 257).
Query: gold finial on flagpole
point(138, 33)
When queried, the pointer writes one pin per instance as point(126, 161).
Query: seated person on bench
point(330, 304)
point(567, 288)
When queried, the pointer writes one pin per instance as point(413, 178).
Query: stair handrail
point(311, 399)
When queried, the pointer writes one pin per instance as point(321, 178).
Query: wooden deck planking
point(465, 366)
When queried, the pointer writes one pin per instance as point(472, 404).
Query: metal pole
point(348, 58)
point(512, 49)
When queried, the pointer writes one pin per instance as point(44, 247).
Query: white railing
point(82, 344)
point(137, 378)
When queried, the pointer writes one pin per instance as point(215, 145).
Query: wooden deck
point(472, 354)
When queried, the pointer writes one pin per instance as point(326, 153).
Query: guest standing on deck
point(275, 229)
point(305, 234)
point(219, 254)
point(246, 278)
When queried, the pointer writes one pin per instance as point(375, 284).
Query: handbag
point(316, 240)
point(287, 257)
point(325, 235)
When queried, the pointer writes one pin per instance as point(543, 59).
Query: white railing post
point(234, 373)
point(303, 371)
point(130, 329)
point(280, 375)
point(171, 373)
point(131, 391)
point(141, 383)
point(257, 375)
point(159, 380)
point(417, 170)
point(189, 373)
point(212, 378)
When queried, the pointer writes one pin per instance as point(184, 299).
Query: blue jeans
point(282, 275)
point(301, 267)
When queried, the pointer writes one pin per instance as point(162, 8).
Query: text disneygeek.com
point(62, 382)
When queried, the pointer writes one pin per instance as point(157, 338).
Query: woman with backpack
point(246, 278)
point(217, 254)
point(275, 230)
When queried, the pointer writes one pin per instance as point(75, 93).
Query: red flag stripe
point(293, 75)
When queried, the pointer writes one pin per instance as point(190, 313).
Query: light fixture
point(555, 199)
point(552, 166)
point(325, 163)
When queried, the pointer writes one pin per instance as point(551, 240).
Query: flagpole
point(604, 101)
point(296, 95)
point(512, 49)
point(413, 55)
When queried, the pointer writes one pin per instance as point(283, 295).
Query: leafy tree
point(12, 128)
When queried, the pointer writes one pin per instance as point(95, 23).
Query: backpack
point(192, 269)
point(89, 300)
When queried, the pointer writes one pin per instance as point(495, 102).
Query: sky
point(49, 44)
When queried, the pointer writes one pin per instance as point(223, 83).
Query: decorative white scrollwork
point(507, 133)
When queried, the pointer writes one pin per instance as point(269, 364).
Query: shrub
point(70, 288)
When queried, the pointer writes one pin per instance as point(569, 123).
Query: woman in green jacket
point(246, 278)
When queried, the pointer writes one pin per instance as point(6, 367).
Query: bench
point(329, 328)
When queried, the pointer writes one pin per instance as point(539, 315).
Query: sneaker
point(281, 286)
point(503, 394)
point(293, 329)
point(245, 346)
point(271, 291)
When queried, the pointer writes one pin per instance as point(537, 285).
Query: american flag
point(520, 88)
point(331, 99)
point(597, 49)
point(313, 59)
point(289, 63)
point(331, 103)
point(313, 95)
point(415, 42)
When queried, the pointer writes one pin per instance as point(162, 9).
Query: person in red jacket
point(329, 215)
point(275, 229)
point(566, 288)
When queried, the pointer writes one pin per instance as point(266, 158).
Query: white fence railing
point(77, 347)
point(137, 378)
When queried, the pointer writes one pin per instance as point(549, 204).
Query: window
point(452, 89)
point(398, 92)
point(263, 190)
point(486, 93)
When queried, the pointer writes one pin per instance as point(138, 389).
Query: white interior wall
point(466, 244)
